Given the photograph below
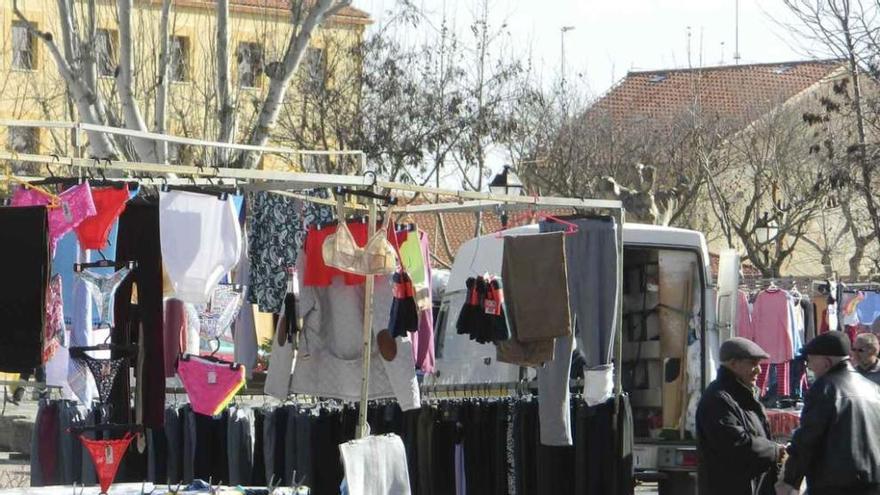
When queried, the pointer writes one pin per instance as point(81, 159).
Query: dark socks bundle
point(483, 315)
point(404, 311)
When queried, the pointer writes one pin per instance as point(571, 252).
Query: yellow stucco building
point(31, 86)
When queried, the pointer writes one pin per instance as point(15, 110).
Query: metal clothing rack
point(282, 182)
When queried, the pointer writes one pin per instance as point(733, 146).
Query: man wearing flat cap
point(736, 455)
point(837, 446)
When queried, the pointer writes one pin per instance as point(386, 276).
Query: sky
point(611, 37)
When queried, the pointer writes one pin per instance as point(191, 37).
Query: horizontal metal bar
point(47, 124)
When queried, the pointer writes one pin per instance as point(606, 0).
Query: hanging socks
point(107, 455)
point(496, 310)
point(404, 312)
point(469, 313)
point(210, 385)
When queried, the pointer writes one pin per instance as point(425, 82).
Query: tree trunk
point(163, 82)
point(299, 41)
point(145, 148)
point(224, 90)
point(68, 32)
point(100, 144)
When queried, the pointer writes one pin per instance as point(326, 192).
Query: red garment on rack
point(107, 455)
point(770, 320)
point(317, 273)
point(783, 385)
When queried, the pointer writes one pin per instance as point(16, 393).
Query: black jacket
point(736, 455)
point(837, 446)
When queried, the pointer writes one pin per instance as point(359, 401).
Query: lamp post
point(508, 184)
point(766, 230)
point(562, 31)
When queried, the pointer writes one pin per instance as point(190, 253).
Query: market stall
point(131, 283)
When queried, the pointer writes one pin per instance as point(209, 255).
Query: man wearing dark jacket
point(837, 446)
point(736, 455)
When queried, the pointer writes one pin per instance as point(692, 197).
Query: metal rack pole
point(362, 428)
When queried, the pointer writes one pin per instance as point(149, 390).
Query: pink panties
point(210, 385)
point(76, 206)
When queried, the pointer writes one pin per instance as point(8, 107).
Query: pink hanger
point(570, 227)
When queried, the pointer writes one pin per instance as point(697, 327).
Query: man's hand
point(784, 489)
point(781, 454)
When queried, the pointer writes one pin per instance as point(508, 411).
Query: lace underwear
point(104, 371)
point(210, 385)
point(106, 455)
point(216, 317)
point(76, 205)
point(102, 289)
point(53, 329)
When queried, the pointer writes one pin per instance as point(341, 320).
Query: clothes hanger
point(110, 427)
point(102, 263)
point(54, 200)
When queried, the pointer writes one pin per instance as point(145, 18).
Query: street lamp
point(508, 184)
point(562, 31)
point(766, 230)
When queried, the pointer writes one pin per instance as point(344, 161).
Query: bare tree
point(77, 64)
point(848, 30)
point(769, 177)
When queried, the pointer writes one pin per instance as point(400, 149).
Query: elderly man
point(837, 446)
point(736, 455)
point(864, 354)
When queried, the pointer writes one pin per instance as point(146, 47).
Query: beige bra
point(340, 250)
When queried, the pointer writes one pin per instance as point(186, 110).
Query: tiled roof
point(459, 228)
point(285, 4)
point(724, 91)
point(354, 14)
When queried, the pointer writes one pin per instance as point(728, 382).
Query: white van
point(648, 375)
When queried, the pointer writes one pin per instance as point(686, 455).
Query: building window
point(105, 50)
point(178, 60)
point(316, 69)
point(24, 46)
point(250, 64)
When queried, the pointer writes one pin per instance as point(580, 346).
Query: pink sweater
point(744, 326)
point(770, 324)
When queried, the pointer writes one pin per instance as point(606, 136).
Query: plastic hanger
point(54, 200)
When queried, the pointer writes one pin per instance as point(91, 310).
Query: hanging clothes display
point(109, 204)
point(107, 456)
point(744, 325)
point(770, 317)
point(535, 279)
point(244, 330)
point(423, 339)
point(25, 243)
point(201, 242)
point(53, 330)
point(218, 314)
point(141, 321)
point(192, 236)
point(375, 465)
point(102, 288)
point(328, 362)
point(340, 250)
point(76, 205)
point(276, 233)
point(210, 384)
